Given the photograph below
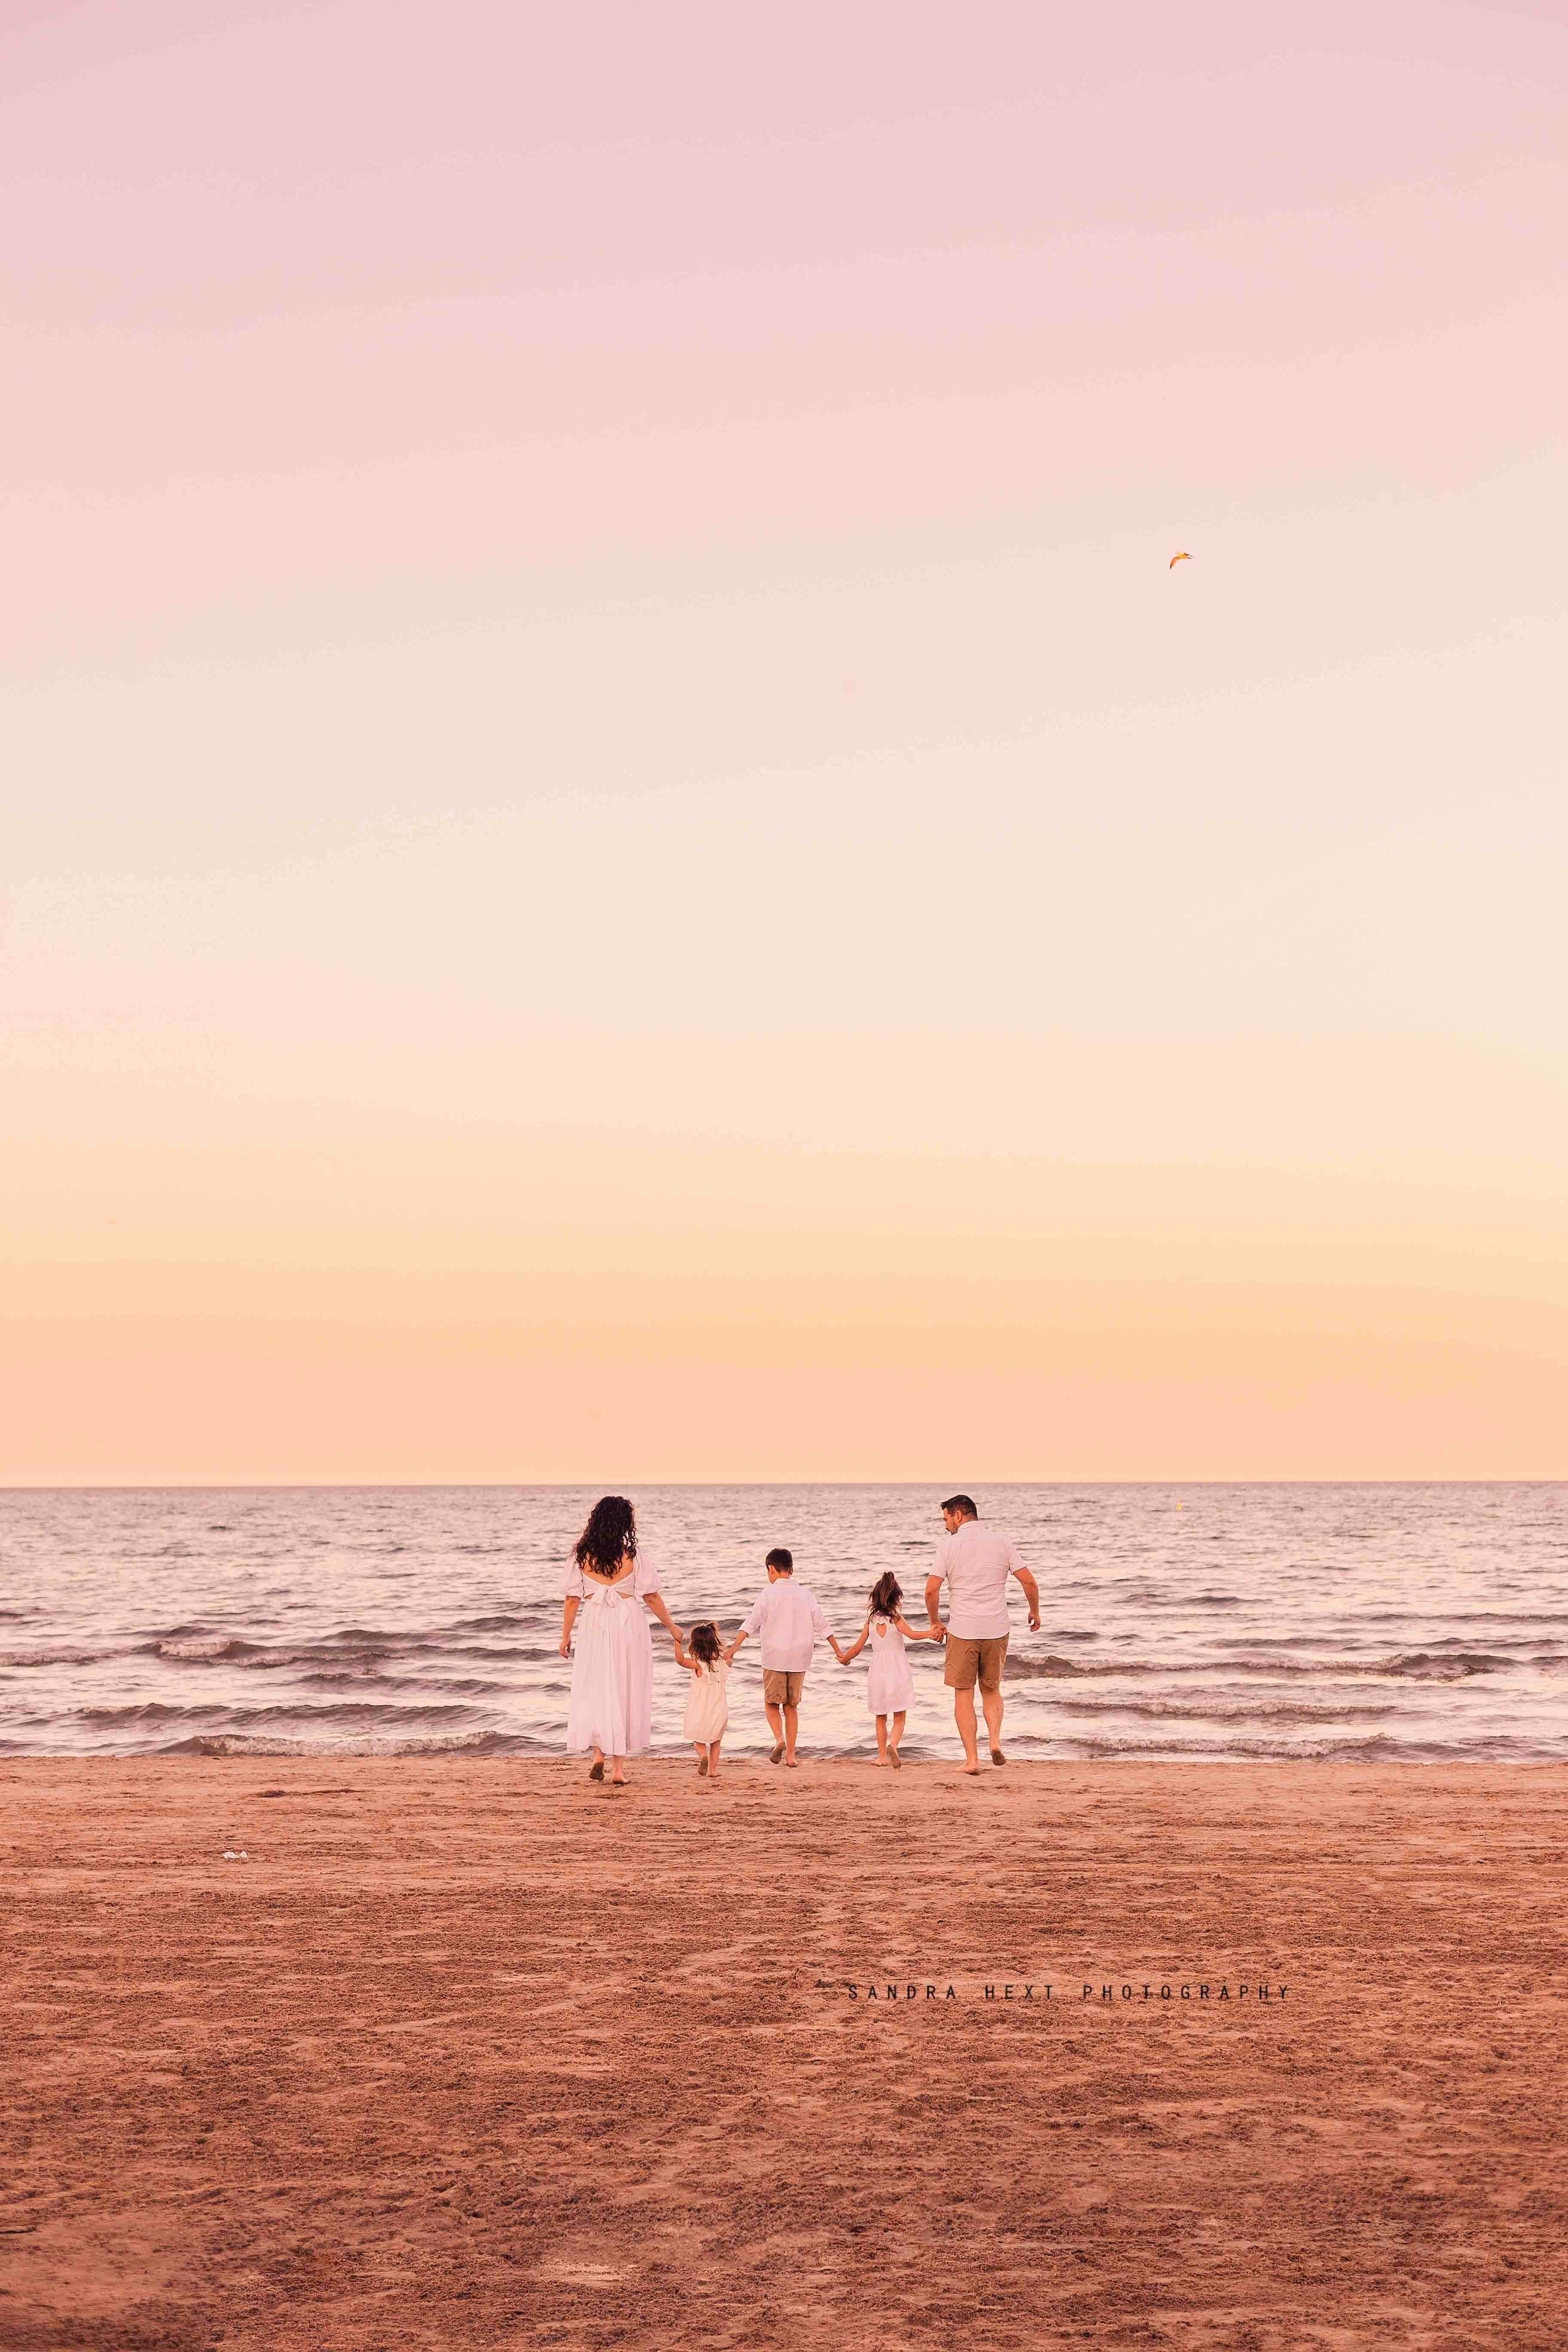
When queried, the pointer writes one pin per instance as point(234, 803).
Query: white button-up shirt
point(974, 1565)
point(789, 1620)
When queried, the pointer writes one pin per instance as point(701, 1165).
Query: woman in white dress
point(616, 1590)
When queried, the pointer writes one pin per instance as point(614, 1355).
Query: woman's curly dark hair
point(704, 1645)
point(609, 1537)
point(885, 1595)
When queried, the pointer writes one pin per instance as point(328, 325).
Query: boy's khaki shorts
point(782, 1688)
point(967, 1658)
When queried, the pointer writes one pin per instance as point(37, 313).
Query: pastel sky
point(619, 856)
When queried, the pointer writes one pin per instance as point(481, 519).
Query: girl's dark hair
point(609, 1537)
point(885, 1595)
point(704, 1645)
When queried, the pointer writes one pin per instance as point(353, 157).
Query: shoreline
point(470, 2054)
point(746, 1760)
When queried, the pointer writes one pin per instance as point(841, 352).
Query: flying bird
point(1182, 558)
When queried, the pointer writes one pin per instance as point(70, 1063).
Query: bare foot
point(971, 1768)
point(703, 1767)
point(778, 1751)
point(618, 1780)
point(893, 1759)
point(881, 1761)
point(714, 1779)
point(998, 1757)
point(791, 1762)
point(596, 1771)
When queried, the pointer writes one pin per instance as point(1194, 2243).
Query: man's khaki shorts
point(967, 1659)
point(782, 1688)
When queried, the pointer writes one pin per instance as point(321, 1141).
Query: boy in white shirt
point(789, 1620)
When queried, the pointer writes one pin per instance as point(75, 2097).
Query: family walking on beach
point(612, 1591)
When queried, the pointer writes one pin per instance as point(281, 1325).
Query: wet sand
point(469, 2054)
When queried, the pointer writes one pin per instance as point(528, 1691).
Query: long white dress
point(612, 1661)
point(889, 1686)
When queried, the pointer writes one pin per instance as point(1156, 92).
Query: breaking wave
point(451, 1743)
point(351, 1712)
point(1419, 1665)
point(19, 1659)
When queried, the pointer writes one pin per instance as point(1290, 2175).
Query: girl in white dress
point(707, 1701)
point(615, 1588)
point(889, 1686)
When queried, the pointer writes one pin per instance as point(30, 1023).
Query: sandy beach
point(466, 2054)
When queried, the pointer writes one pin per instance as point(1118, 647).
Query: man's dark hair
point(781, 1559)
point(965, 1503)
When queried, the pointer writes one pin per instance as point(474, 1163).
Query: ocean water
point(1399, 1621)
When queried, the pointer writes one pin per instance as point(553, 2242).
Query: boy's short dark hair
point(965, 1503)
point(781, 1559)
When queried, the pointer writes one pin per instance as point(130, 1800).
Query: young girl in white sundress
point(708, 1701)
point(889, 1686)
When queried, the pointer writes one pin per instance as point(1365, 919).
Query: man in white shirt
point(974, 1564)
point(789, 1620)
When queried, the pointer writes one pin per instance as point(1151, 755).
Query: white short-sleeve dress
point(612, 1661)
point(707, 1702)
point(889, 1686)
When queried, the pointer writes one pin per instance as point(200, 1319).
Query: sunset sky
point(619, 856)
